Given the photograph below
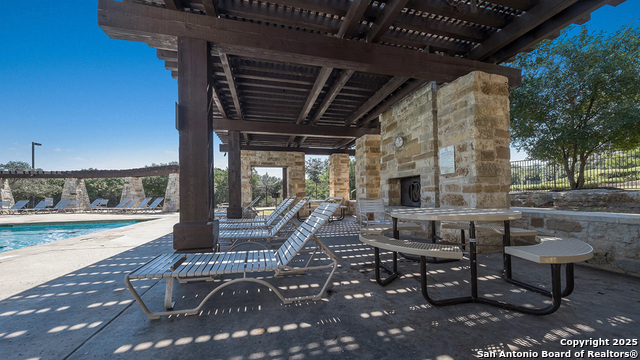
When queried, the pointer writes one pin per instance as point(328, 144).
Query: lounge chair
point(247, 212)
point(261, 236)
point(40, 207)
point(260, 222)
point(94, 204)
point(123, 205)
point(191, 267)
point(140, 207)
point(155, 205)
point(60, 205)
point(17, 207)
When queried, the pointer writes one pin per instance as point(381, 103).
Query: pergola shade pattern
point(315, 74)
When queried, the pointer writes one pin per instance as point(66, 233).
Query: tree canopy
point(580, 95)
point(318, 172)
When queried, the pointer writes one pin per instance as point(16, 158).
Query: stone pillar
point(368, 167)
point(473, 117)
point(172, 194)
point(196, 230)
point(473, 114)
point(132, 188)
point(75, 189)
point(339, 176)
point(292, 162)
point(5, 192)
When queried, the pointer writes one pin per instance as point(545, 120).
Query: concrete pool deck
point(67, 300)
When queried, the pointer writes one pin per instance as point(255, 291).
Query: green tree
point(155, 186)
point(220, 186)
point(579, 96)
point(105, 188)
point(315, 168)
point(28, 188)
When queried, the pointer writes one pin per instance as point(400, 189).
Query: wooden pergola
point(314, 75)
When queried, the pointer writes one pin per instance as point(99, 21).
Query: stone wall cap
point(619, 218)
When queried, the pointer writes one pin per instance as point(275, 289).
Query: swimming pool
point(16, 237)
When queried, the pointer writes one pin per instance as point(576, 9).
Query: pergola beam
point(142, 23)
point(390, 12)
point(91, 174)
point(380, 95)
point(352, 18)
point(519, 27)
point(275, 128)
point(306, 150)
point(210, 8)
point(552, 26)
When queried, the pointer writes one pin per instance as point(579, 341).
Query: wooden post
point(194, 232)
point(285, 190)
point(235, 181)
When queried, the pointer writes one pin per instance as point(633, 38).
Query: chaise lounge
point(193, 267)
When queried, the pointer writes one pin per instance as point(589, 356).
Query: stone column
point(473, 117)
point(132, 189)
point(339, 176)
point(5, 192)
point(172, 194)
point(75, 189)
point(368, 167)
point(473, 114)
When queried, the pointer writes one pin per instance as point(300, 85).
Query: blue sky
point(94, 102)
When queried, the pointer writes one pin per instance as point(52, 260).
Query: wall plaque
point(447, 160)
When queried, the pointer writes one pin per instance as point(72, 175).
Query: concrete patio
point(68, 300)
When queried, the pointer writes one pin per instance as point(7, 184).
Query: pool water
point(16, 237)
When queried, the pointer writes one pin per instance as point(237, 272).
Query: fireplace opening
point(410, 191)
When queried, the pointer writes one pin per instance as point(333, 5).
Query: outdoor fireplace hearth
point(410, 191)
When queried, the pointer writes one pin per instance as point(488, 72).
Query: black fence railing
point(607, 170)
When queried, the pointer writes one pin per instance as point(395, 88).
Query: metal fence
point(607, 170)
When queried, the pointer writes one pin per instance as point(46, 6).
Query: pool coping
point(75, 222)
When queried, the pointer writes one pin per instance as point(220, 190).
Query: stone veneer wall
point(293, 161)
point(339, 176)
point(75, 189)
point(412, 119)
point(368, 167)
point(172, 194)
point(615, 237)
point(5, 192)
point(132, 189)
point(473, 116)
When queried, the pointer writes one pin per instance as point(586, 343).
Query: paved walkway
point(68, 300)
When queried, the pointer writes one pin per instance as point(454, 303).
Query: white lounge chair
point(258, 222)
point(259, 236)
point(186, 267)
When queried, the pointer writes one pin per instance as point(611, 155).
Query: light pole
point(33, 154)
